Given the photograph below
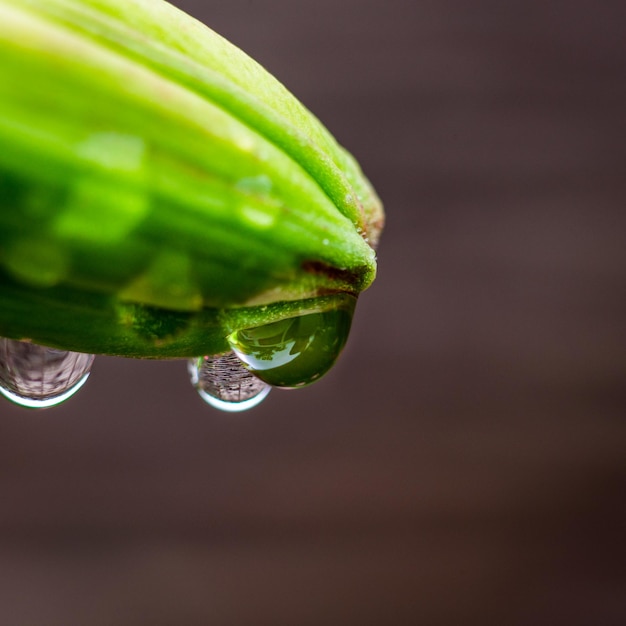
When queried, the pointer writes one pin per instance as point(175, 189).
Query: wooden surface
point(465, 463)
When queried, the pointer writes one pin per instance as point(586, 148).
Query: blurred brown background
point(465, 462)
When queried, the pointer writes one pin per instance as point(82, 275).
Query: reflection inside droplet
point(38, 377)
point(295, 351)
point(225, 384)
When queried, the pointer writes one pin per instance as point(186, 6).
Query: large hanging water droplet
point(38, 377)
point(225, 384)
point(295, 351)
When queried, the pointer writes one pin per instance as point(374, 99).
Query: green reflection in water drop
point(295, 351)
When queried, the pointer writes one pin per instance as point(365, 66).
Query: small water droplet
point(224, 383)
point(38, 377)
point(295, 351)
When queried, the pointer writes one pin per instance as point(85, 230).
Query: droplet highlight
point(296, 351)
point(39, 377)
point(223, 382)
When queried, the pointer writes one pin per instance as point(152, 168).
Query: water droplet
point(38, 377)
point(225, 384)
point(295, 351)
